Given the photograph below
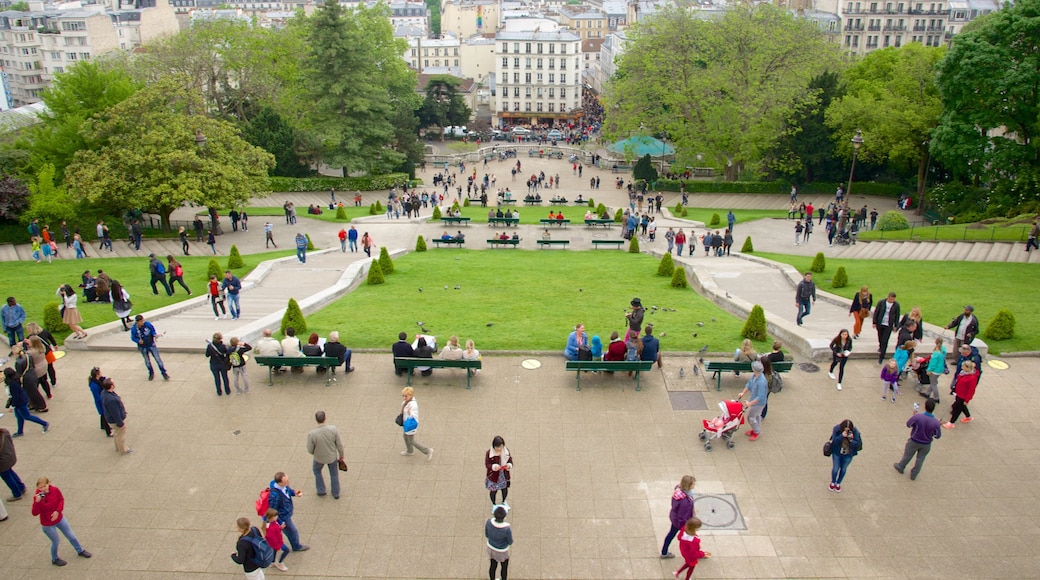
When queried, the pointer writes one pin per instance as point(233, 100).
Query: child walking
point(690, 547)
point(890, 379)
point(273, 535)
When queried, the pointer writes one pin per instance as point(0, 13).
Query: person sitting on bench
point(459, 236)
point(423, 351)
point(446, 236)
point(401, 348)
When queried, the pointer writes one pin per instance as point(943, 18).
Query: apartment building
point(466, 18)
point(586, 22)
point(538, 77)
point(870, 25)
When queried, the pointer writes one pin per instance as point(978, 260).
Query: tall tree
point(891, 95)
point(722, 89)
point(269, 131)
point(151, 155)
point(355, 77)
point(805, 151)
point(76, 95)
point(443, 105)
point(991, 105)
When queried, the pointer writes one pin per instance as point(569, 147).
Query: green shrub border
point(346, 184)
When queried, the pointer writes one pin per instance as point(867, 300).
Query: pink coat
point(690, 548)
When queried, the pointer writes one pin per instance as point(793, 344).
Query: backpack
point(776, 383)
point(263, 503)
point(159, 267)
point(236, 358)
point(263, 554)
point(178, 270)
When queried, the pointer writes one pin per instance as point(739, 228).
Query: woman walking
point(936, 367)
point(845, 444)
point(215, 299)
point(48, 504)
point(841, 348)
point(94, 382)
point(862, 303)
point(410, 417)
point(20, 403)
point(244, 552)
point(24, 370)
point(121, 304)
point(367, 243)
point(185, 246)
point(38, 352)
point(499, 463)
point(964, 388)
point(32, 329)
point(217, 353)
point(499, 537)
point(682, 511)
point(71, 315)
point(176, 273)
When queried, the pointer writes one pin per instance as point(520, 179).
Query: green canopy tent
point(640, 145)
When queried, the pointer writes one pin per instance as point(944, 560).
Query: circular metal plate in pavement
point(716, 512)
point(808, 368)
point(531, 364)
point(997, 364)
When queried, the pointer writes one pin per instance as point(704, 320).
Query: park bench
point(615, 243)
point(555, 222)
point(507, 201)
point(550, 243)
point(503, 221)
point(453, 241)
point(532, 201)
point(509, 242)
point(411, 363)
point(558, 201)
point(620, 168)
point(607, 223)
point(719, 367)
point(610, 366)
point(456, 220)
point(581, 202)
point(271, 362)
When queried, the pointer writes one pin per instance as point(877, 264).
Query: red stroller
point(723, 426)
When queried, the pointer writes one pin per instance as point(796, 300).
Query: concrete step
point(8, 253)
point(908, 251)
point(978, 252)
point(960, 251)
point(940, 251)
point(23, 251)
point(868, 250)
point(888, 250)
point(999, 252)
point(1034, 257)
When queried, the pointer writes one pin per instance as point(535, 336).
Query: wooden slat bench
point(298, 362)
point(616, 243)
point(551, 243)
point(453, 241)
point(554, 222)
point(610, 366)
point(456, 220)
point(608, 223)
point(411, 363)
point(503, 221)
point(719, 367)
point(507, 243)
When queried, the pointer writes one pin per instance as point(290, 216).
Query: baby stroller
point(723, 426)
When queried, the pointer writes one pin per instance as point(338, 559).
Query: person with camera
point(845, 444)
point(48, 504)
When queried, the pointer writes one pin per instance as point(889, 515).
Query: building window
point(539, 48)
point(516, 92)
point(72, 56)
point(527, 63)
point(539, 63)
point(552, 92)
point(552, 64)
point(68, 26)
point(538, 78)
point(563, 64)
point(563, 49)
point(527, 48)
point(552, 48)
point(527, 78)
point(563, 79)
point(563, 93)
point(516, 106)
point(552, 78)
point(552, 107)
point(538, 107)
point(527, 107)
point(516, 62)
point(505, 48)
point(516, 77)
point(527, 92)
point(505, 62)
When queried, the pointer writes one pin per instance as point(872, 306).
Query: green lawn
point(942, 289)
point(524, 300)
point(743, 216)
point(998, 232)
point(327, 215)
point(34, 285)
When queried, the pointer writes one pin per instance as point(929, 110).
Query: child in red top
point(273, 535)
point(690, 547)
point(215, 298)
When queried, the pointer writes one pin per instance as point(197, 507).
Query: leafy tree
point(406, 139)
point(988, 82)
point(722, 88)
point(149, 156)
point(271, 133)
point(644, 169)
point(14, 197)
point(48, 201)
point(892, 94)
point(83, 90)
point(435, 16)
point(19, 7)
point(443, 106)
point(354, 78)
point(805, 150)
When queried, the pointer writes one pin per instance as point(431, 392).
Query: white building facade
point(538, 77)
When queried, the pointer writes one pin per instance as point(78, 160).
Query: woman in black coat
point(219, 364)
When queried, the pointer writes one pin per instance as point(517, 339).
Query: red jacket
point(690, 548)
point(493, 475)
point(45, 508)
point(615, 351)
point(965, 386)
point(274, 536)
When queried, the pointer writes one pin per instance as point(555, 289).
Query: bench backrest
point(640, 365)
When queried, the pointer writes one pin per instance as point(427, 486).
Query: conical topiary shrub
point(715, 220)
point(373, 210)
point(420, 244)
point(633, 245)
point(667, 265)
point(1002, 327)
point(213, 269)
point(819, 263)
point(385, 263)
point(679, 278)
point(379, 207)
point(341, 213)
point(375, 274)
point(52, 319)
point(841, 279)
point(465, 202)
point(234, 260)
point(310, 244)
point(748, 247)
point(755, 327)
point(600, 209)
point(592, 202)
point(436, 212)
point(619, 215)
point(294, 317)
point(678, 209)
point(685, 212)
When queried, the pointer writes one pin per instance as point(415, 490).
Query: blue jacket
point(13, 316)
point(95, 389)
point(280, 502)
point(145, 333)
point(758, 389)
point(937, 364)
point(837, 436)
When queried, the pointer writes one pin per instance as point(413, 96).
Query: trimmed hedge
point(666, 267)
point(755, 326)
point(819, 263)
point(1002, 327)
point(782, 187)
point(294, 317)
point(679, 278)
point(375, 274)
point(307, 184)
point(420, 244)
point(213, 269)
point(385, 263)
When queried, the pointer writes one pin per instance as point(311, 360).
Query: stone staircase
point(941, 251)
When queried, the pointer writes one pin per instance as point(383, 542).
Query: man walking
point(967, 327)
point(135, 232)
point(757, 390)
point(1034, 236)
point(13, 316)
point(886, 317)
point(158, 272)
point(143, 335)
point(352, 238)
point(805, 292)
point(269, 235)
point(301, 248)
point(325, 445)
point(232, 286)
point(342, 235)
point(923, 429)
point(281, 499)
point(115, 415)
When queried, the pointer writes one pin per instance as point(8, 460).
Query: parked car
point(521, 131)
point(456, 131)
point(554, 134)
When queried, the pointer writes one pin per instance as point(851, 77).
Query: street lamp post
point(857, 142)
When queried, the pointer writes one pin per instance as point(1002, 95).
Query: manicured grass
point(743, 216)
point(526, 300)
point(942, 289)
point(528, 214)
point(34, 285)
point(327, 215)
point(998, 232)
